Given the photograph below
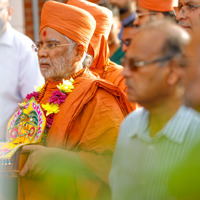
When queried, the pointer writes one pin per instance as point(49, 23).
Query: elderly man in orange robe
point(98, 47)
point(83, 131)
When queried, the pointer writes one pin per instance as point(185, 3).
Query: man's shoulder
point(189, 113)
point(133, 120)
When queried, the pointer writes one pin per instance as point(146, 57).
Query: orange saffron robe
point(88, 123)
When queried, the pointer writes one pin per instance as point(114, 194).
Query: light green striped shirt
point(141, 164)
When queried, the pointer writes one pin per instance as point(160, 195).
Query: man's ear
point(174, 72)
point(79, 51)
point(10, 13)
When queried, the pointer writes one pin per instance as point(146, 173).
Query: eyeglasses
point(48, 46)
point(139, 15)
point(133, 65)
point(186, 9)
point(126, 42)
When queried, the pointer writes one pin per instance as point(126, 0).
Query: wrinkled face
point(191, 76)
point(188, 15)
point(127, 35)
point(146, 84)
point(142, 17)
point(56, 55)
point(4, 14)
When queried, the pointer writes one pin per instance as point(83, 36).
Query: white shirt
point(142, 165)
point(19, 72)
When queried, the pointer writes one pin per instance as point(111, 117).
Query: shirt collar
point(175, 129)
point(7, 37)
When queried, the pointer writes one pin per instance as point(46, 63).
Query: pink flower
point(49, 120)
point(33, 94)
point(57, 97)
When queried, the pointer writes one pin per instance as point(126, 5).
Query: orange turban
point(73, 22)
point(104, 21)
point(93, 1)
point(102, 15)
point(157, 5)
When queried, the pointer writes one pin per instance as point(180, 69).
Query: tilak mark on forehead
point(44, 33)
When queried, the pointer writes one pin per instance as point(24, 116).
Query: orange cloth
point(99, 44)
point(157, 5)
point(87, 123)
point(93, 1)
point(75, 23)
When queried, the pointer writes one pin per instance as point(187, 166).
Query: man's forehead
point(143, 43)
point(141, 9)
point(47, 33)
point(128, 31)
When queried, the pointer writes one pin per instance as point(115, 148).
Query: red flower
point(57, 97)
point(33, 94)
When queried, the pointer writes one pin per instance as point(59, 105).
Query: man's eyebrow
point(138, 11)
point(50, 40)
point(190, 3)
point(53, 40)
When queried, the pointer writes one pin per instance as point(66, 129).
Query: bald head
point(174, 37)
point(152, 57)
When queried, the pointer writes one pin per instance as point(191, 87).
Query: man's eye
point(51, 45)
point(38, 46)
point(192, 7)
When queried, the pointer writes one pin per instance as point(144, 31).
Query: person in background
point(188, 14)
point(18, 65)
point(154, 139)
point(127, 35)
point(151, 9)
point(127, 11)
point(114, 43)
point(185, 179)
point(98, 47)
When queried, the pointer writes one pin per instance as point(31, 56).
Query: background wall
point(17, 20)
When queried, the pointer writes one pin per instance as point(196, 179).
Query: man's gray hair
point(86, 59)
point(71, 42)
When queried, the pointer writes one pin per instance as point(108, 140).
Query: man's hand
point(37, 162)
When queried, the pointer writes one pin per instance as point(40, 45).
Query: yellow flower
point(51, 108)
point(22, 104)
point(39, 89)
point(67, 86)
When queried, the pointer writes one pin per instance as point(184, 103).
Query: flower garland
point(58, 97)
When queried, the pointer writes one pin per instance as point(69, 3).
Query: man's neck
point(161, 113)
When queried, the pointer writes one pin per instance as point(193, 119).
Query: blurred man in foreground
point(153, 139)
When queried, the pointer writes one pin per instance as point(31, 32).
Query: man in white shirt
point(155, 138)
point(19, 69)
